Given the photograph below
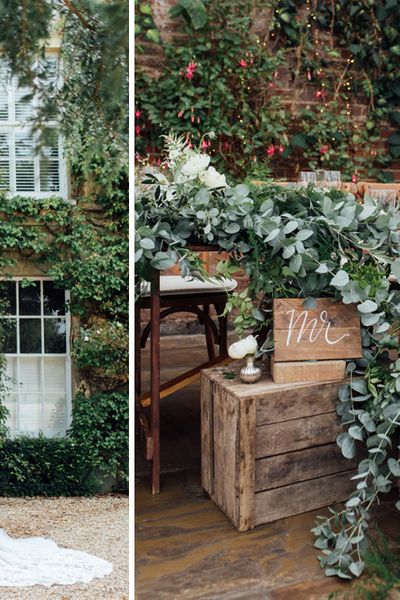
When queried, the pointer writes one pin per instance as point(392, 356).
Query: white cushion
point(175, 284)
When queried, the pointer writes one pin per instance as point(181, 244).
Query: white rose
point(195, 165)
point(243, 347)
point(212, 179)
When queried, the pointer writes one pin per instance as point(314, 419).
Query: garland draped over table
point(304, 243)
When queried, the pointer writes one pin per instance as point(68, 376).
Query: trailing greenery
point(382, 573)
point(224, 73)
point(46, 467)
point(100, 424)
point(298, 243)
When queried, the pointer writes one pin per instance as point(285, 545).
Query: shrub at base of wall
point(40, 466)
point(100, 423)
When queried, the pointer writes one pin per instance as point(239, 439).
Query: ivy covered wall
point(306, 84)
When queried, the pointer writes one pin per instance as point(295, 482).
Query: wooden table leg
point(138, 366)
point(155, 380)
point(223, 330)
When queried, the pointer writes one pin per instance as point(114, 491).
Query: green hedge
point(101, 424)
point(40, 466)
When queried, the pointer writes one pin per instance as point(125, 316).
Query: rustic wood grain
point(246, 464)
point(320, 370)
point(350, 347)
point(207, 452)
point(225, 424)
point(278, 503)
point(296, 434)
point(341, 315)
point(302, 334)
point(302, 400)
point(293, 467)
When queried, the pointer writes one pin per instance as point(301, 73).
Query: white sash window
point(26, 169)
point(36, 346)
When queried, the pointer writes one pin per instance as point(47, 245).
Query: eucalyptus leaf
point(340, 279)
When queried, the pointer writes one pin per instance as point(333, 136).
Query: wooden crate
point(268, 449)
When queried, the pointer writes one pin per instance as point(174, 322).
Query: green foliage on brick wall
point(224, 74)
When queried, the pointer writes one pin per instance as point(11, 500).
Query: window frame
point(67, 356)
point(13, 126)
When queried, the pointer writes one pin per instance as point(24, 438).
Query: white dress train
point(39, 561)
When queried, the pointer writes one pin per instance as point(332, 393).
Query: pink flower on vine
point(180, 113)
point(354, 178)
point(190, 70)
point(324, 149)
point(137, 130)
point(280, 149)
point(243, 63)
point(138, 113)
point(270, 150)
point(205, 144)
point(320, 94)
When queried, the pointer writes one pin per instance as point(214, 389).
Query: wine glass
point(306, 177)
point(333, 179)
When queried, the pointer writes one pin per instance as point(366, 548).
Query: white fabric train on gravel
point(39, 561)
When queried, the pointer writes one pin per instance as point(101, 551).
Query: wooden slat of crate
point(286, 469)
point(234, 417)
point(316, 370)
point(225, 422)
point(304, 496)
point(296, 434)
point(207, 408)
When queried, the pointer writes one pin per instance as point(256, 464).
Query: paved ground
point(187, 549)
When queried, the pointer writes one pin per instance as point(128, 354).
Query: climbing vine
point(307, 84)
point(82, 245)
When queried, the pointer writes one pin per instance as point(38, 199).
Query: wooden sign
point(331, 330)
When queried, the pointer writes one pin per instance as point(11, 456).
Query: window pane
point(49, 176)
point(11, 405)
point(8, 304)
point(30, 375)
point(30, 413)
point(8, 336)
point(11, 374)
point(54, 375)
point(25, 176)
point(5, 82)
point(55, 414)
point(30, 339)
point(53, 299)
point(23, 145)
point(29, 299)
point(23, 104)
point(4, 157)
point(54, 336)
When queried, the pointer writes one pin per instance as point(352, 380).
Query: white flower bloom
point(243, 347)
point(212, 179)
point(195, 165)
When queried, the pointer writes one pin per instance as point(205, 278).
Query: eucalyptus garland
point(297, 243)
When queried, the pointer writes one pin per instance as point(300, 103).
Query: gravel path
point(98, 525)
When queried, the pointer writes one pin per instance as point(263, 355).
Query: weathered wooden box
point(268, 449)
